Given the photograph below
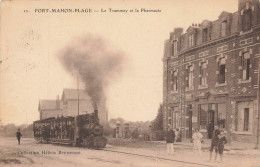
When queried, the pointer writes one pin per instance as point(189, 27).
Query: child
point(221, 142)
point(197, 138)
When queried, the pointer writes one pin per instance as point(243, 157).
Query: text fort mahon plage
point(90, 10)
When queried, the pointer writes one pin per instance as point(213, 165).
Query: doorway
point(190, 124)
point(211, 116)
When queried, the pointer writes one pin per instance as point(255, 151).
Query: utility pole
point(78, 90)
point(258, 105)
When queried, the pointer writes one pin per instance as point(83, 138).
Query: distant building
point(50, 108)
point(72, 103)
point(210, 73)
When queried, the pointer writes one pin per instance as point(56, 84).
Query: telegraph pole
point(258, 104)
point(78, 90)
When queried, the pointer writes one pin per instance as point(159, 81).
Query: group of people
point(218, 140)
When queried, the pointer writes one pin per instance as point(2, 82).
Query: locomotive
point(81, 130)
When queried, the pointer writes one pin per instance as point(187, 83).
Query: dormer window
point(191, 40)
point(247, 20)
point(224, 28)
point(174, 48)
point(205, 35)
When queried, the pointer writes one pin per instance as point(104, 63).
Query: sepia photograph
point(140, 83)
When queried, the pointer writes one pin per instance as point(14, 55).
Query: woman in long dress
point(197, 138)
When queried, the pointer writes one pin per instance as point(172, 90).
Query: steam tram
point(82, 130)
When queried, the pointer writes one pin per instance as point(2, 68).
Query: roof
point(72, 94)
point(48, 105)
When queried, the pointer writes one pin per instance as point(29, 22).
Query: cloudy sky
point(30, 42)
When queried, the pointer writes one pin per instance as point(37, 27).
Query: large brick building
point(210, 73)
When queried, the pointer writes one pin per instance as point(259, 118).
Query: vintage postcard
point(140, 83)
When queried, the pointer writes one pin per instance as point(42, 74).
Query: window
point(205, 34)
point(245, 117)
point(203, 78)
point(247, 20)
point(174, 81)
point(222, 71)
point(222, 115)
point(245, 64)
point(223, 28)
point(191, 40)
point(189, 83)
point(203, 109)
point(174, 48)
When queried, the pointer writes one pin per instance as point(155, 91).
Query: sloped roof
point(191, 28)
point(72, 94)
point(205, 23)
point(224, 14)
point(48, 105)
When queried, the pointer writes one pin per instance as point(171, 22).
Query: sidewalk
point(184, 152)
point(233, 148)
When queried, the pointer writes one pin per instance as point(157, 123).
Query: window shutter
point(244, 74)
point(250, 124)
point(240, 119)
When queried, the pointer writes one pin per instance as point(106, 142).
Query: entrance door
point(190, 124)
point(211, 117)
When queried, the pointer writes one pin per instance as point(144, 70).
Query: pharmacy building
point(210, 75)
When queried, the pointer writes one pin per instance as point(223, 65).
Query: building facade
point(79, 102)
point(72, 103)
point(210, 74)
point(50, 108)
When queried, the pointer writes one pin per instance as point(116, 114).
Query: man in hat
point(170, 140)
point(214, 142)
point(18, 136)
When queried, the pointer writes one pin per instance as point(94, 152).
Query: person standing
point(170, 140)
point(210, 129)
point(177, 134)
point(214, 142)
point(197, 139)
point(221, 142)
point(18, 136)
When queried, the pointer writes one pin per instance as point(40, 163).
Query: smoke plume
point(95, 62)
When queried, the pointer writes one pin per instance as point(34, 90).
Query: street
point(30, 153)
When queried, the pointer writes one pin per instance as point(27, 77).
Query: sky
point(31, 41)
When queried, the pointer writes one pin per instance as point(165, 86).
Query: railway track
point(160, 158)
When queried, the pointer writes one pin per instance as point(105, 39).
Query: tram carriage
point(82, 130)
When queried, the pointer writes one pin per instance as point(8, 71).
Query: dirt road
point(31, 154)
